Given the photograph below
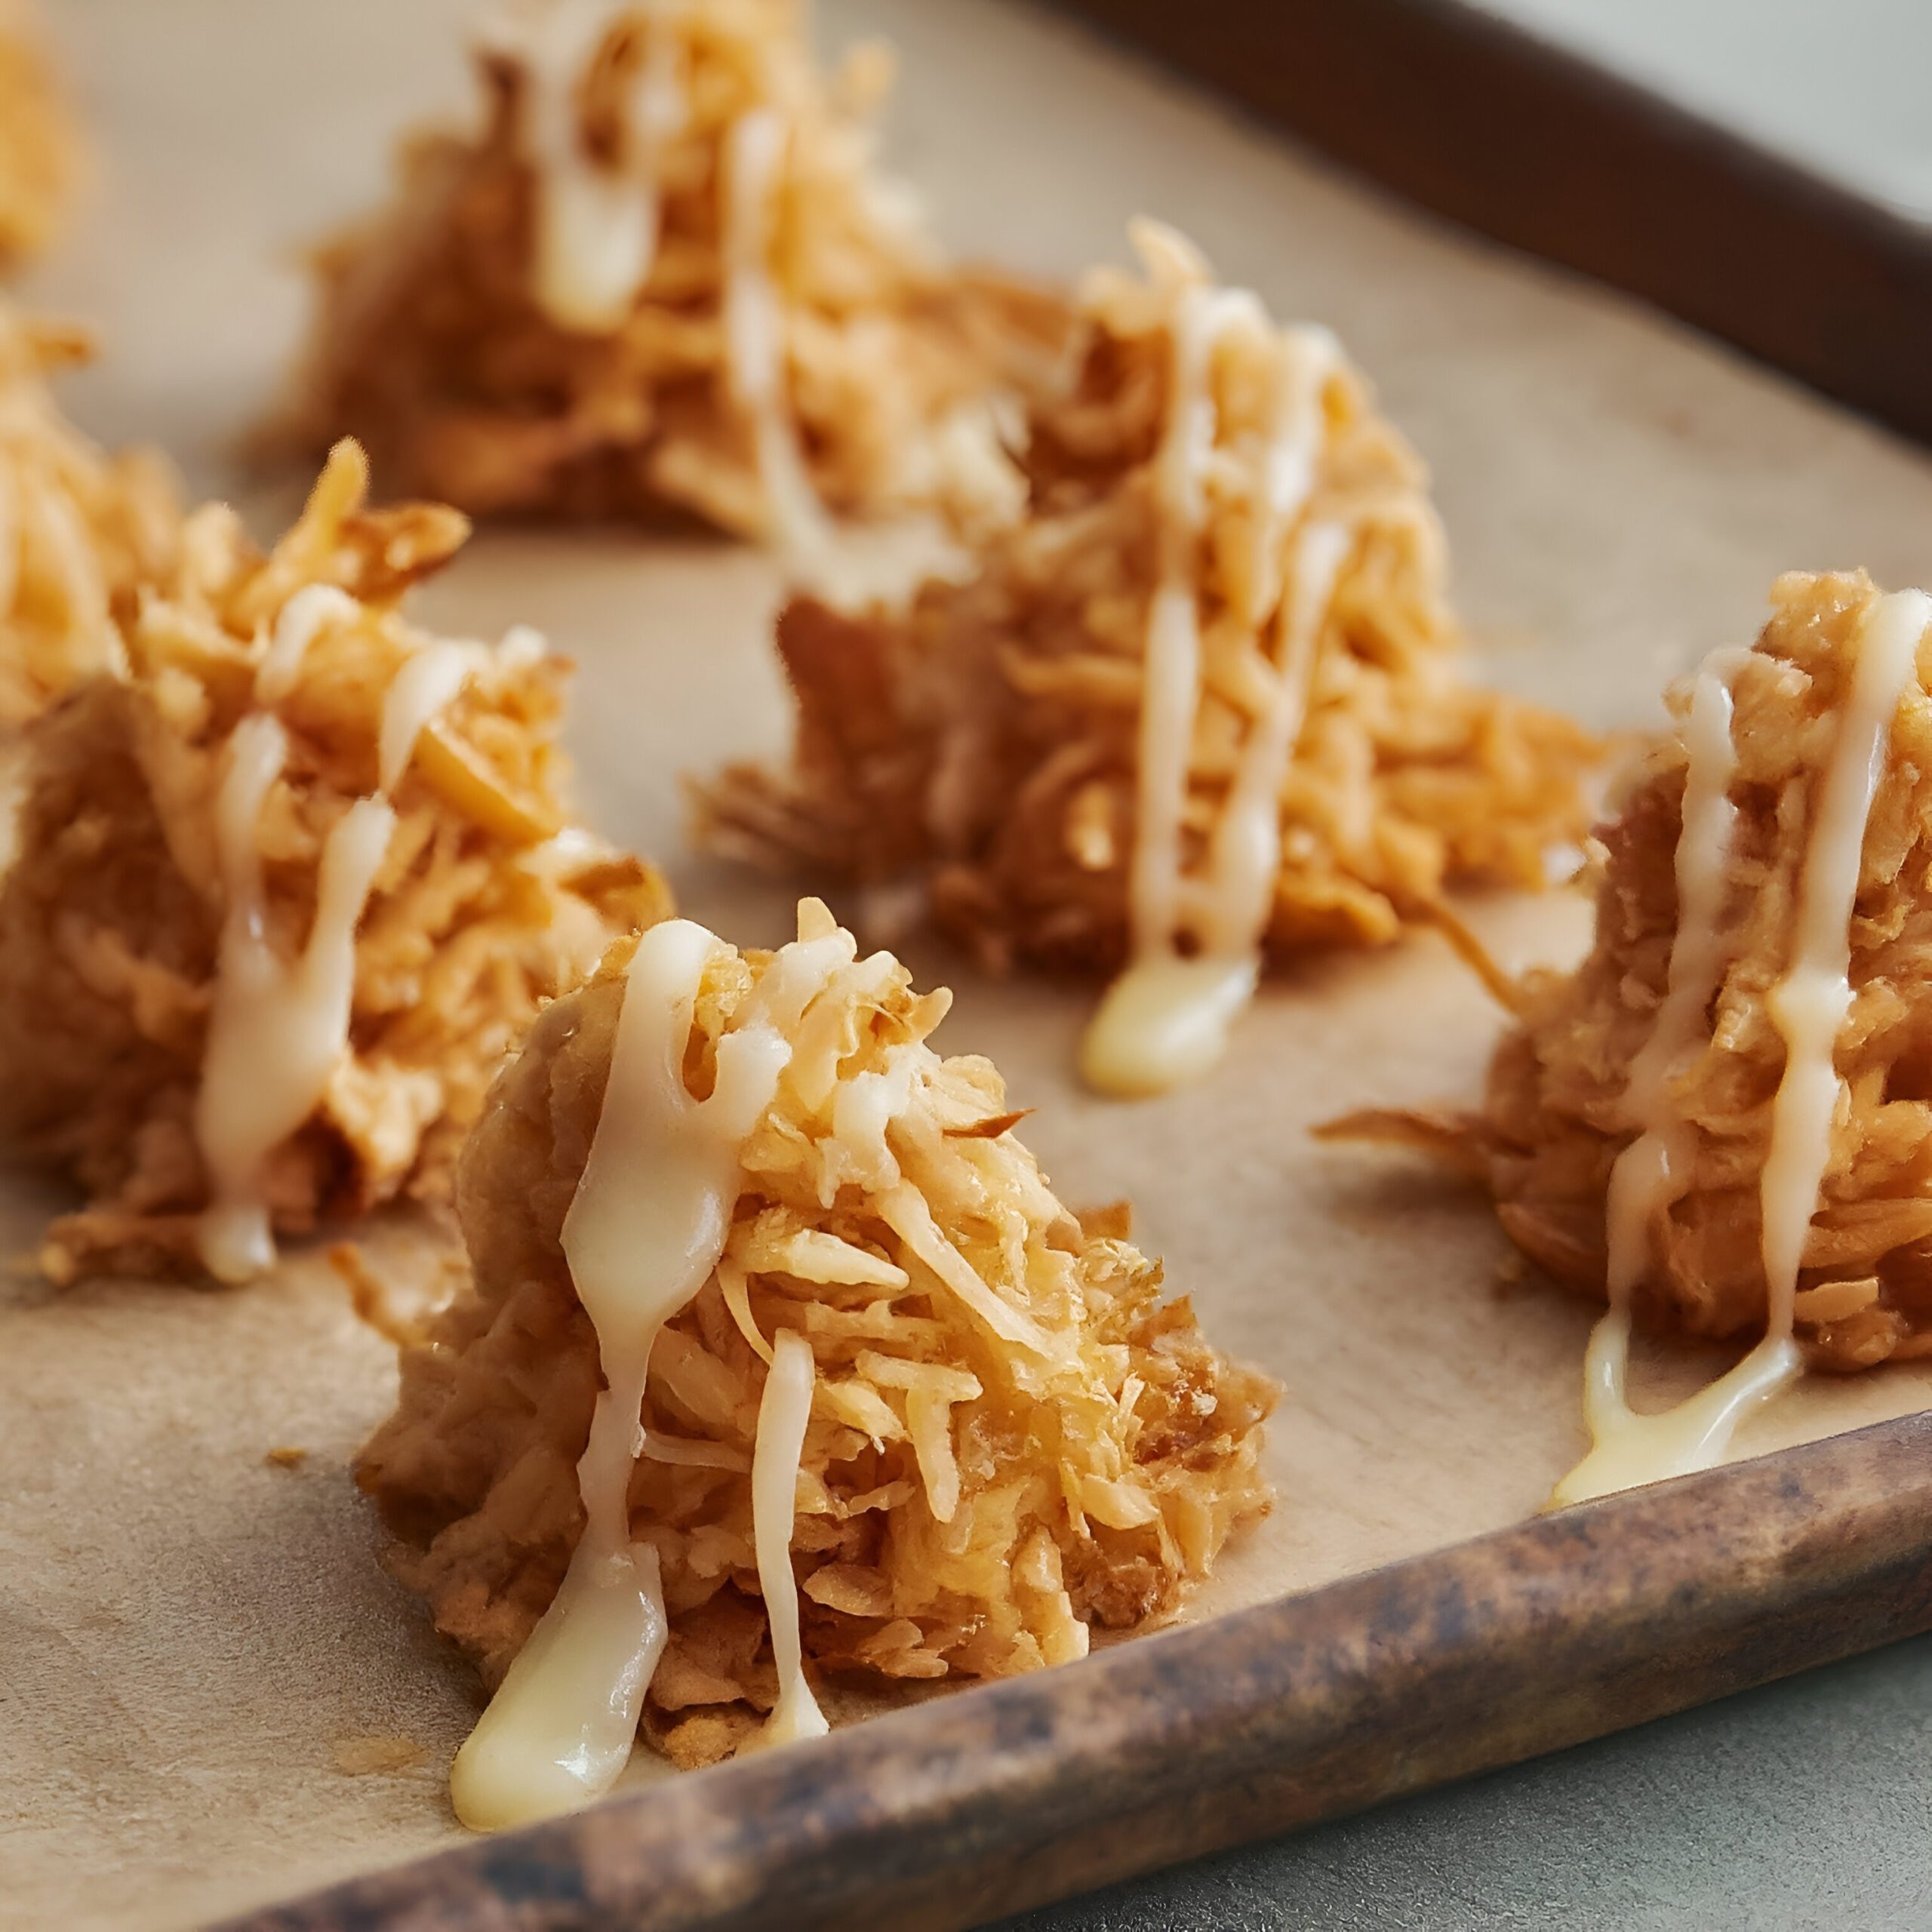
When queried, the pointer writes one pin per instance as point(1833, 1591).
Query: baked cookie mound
point(994, 738)
point(1011, 1437)
point(80, 531)
point(1553, 1118)
point(39, 146)
point(113, 955)
point(664, 276)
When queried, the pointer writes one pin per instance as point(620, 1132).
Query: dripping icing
point(277, 1027)
point(755, 329)
point(597, 224)
point(424, 688)
point(302, 619)
point(783, 1412)
point(561, 1726)
point(1166, 1020)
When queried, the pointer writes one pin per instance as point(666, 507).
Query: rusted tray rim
point(1560, 1628)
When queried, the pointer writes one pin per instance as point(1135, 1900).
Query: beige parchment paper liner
point(210, 1694)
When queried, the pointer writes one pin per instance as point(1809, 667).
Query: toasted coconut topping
point(665, 275)
point(1007, 1437)
point(289, 886)
point(1749, 1027)
point(1206, 701)
point(40, 147)
point(80, 530)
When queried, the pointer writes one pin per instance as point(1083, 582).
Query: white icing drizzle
point(418, 694)
point(1246, 853)
point(302, 619)
point(277, 1028)
point(522, 646)
point(1166, 1020)
point(1650, 1173)
point(597, 225)
point(1653, 1171)
point(755, 329)
point(1808, 1005)
point(784, 1413)
point(646, 1229)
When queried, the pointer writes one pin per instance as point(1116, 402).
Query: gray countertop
point(1837, 84)
point(1807, 1804)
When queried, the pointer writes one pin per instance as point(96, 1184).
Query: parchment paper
point(209, 1694)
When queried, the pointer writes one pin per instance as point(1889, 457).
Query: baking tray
point(1534, 1638)
point(212, 1698)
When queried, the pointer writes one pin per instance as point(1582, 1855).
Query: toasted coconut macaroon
point(903, 1417)
point(80, 529)
point(665, 275)
point(1721, 1120)
point(40, 146)
point(288, 888)
point(1205, 703)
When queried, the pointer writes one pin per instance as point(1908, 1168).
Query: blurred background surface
point(1838, 85)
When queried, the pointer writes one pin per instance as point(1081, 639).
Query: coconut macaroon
point(1206, 703)
point(80, 529)
point(1721, 1120)
point(39, 146)
point(904, 1418)
point(665, 275)
point(289, 886)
